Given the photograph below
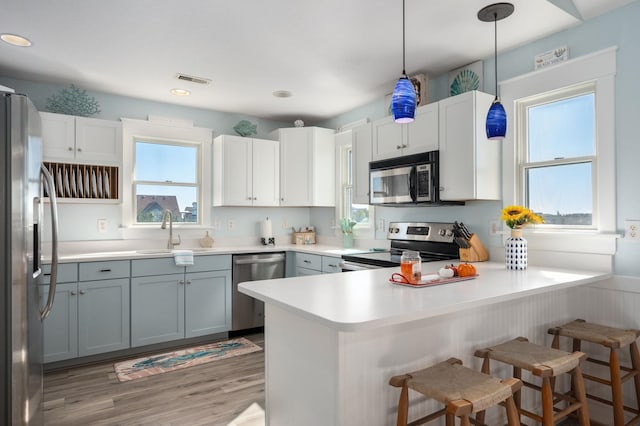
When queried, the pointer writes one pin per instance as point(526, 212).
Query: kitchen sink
point(154, 251)
point(169, 251)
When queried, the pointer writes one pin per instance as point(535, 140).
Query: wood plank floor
point(214, 393)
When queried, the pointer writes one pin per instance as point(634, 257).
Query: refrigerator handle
point(51, 191)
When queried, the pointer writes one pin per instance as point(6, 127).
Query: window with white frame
point(165, 166)
point(345, 207)
point(559, 152)
point(557, 156)
point(166, 177)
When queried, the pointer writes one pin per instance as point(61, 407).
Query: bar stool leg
point(635, 364)
point(616, 389)
point(581, 395)
point(403, 406)
point(547, 402)
point(517, 396)
point(450, 420)
point(513, 417)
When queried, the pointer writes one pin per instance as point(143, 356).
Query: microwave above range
point(408, 180)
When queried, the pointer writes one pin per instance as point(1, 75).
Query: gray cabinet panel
point(160, 266)
point(67, 272)
point(103, 312)
point(210, 263)
point(61, 325)
point(331, 264)
point(309, 261)
point(157, 309)
point(91, 271)
point(207, 303)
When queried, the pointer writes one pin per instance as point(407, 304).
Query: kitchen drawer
point(159, 266)
point(309, 261)
point(331, 264)
point(301, 272)
point(67, 273)
point(91, 271)
point(217, 262)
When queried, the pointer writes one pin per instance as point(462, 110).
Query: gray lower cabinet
point(184, 302)
point(314, 264)
point(88, 317)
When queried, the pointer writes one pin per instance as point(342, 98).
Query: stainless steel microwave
point(411, 179)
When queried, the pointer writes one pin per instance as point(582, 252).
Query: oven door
point(390, 186)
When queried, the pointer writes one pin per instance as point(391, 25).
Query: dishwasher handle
point(254, 261)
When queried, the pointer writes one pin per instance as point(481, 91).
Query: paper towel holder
point(271, 241)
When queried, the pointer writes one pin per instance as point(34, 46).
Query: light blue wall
point(618, 28)
point(114, 107)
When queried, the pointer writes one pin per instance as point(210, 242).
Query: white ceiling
point(334, 55)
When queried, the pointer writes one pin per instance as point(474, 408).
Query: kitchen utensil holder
point(476, 251)
point(304, 237)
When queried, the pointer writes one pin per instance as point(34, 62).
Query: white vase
point(515, 251)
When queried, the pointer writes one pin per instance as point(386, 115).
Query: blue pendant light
point(496, 125)
point(403, 99)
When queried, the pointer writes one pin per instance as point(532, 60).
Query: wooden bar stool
point(614, 339)
point(463, 391)
point(546, 363)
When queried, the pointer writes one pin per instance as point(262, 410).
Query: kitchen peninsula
point(332, 342)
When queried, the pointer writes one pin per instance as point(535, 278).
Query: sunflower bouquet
point(517, 217)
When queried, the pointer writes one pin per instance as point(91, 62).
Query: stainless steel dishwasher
point(248, 312)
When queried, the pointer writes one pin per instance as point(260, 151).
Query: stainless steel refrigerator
point(21, 182)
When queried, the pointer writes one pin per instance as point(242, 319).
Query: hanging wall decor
point(465, 79)
point(245, 128)
point(73, 101)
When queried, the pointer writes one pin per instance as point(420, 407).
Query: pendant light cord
point(495, 48)
point(404, 72)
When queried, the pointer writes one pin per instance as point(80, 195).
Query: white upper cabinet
point(307, 166)
point(391, 139)
point(245, 171)
point(469, 162)
point(81, 140)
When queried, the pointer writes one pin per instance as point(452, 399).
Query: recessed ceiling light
point(282, 94)
point(15, 40)
point(180, 92)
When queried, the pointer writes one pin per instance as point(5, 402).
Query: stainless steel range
point(434, 241)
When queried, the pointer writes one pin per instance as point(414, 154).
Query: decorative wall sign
point(73, 101)
point(466, 78)
point(551, 57)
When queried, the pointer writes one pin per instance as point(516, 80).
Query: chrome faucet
point(167, 213)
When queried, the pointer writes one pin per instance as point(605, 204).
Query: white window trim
point(360, 231)
point(600, 68)
point(133, 130)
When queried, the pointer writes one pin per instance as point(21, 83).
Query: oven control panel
point(421, 231)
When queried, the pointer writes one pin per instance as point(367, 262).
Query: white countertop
point(361, 300)
point(94, 256)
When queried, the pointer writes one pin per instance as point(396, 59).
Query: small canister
point(411, 266)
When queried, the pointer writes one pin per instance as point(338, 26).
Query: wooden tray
point(432, 283)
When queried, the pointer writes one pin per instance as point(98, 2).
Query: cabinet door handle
point(105, 270)
point(70, 149)
point(399, 146)
point(248, 198)
point(306, 261)
point(73, 293)
point(255, 198)
point(79, 149)
point(181, 282)
point(281, 199)
point(82, 292)
point(441, 188)
point(188, 282)
point(333, 266)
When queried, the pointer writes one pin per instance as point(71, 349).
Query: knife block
point(476, 251)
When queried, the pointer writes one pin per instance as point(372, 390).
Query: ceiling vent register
point(192, 79)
